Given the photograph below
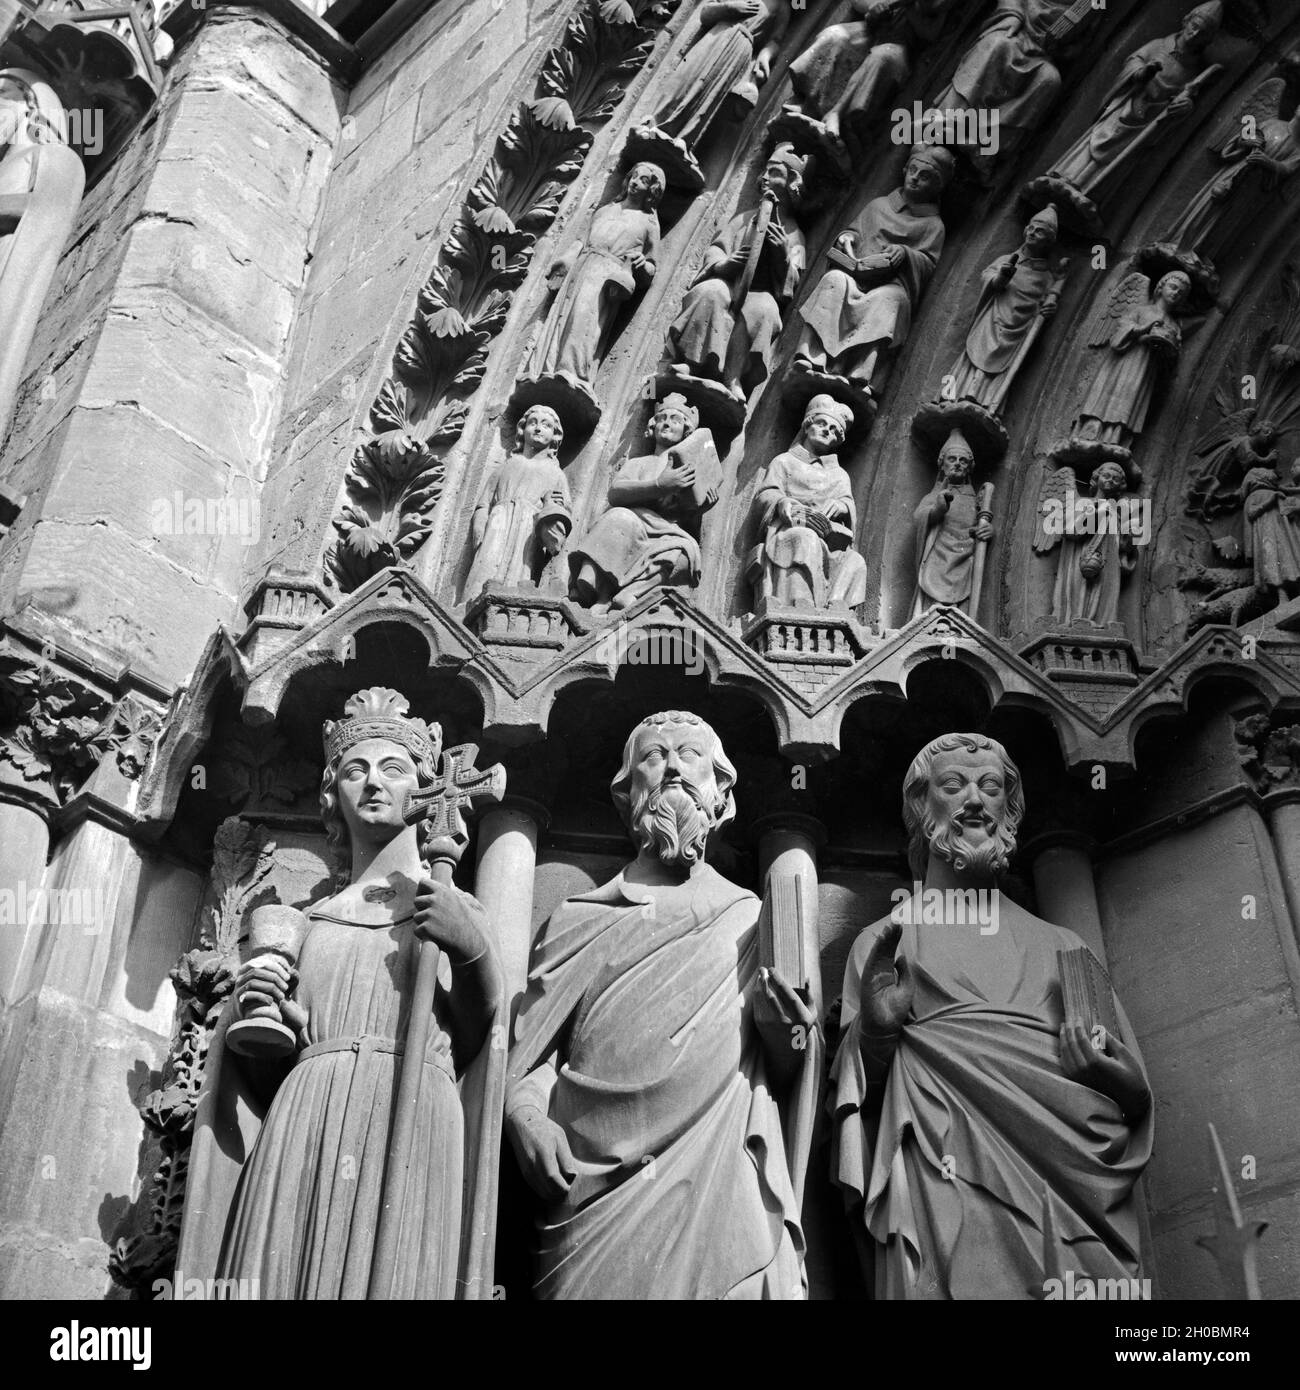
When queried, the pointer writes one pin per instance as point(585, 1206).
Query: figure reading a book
point(862, 307)
point(651, 1052)
point(979, 1069)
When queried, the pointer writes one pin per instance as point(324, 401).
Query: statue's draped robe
point(1093, 162)
point(1077, 598)
point(718, 61)
point(682, 1190)
point(945, 551)
point(597, 278)
point(825, 574)
point(288, 1193)
point(977, 1079)
point(1115, 407)
point(708, 335)
point(635, 543)
point(1210, 224)
point(842, 316)
point(510, 552)
point(1003, 322)
point(1007, 68)
point(1272, 536)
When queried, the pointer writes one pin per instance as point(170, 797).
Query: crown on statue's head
point(382, 713)
point(682, 406)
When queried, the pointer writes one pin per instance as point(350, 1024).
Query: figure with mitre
point(804, 513)
point(949, 526)
point(287, 1171)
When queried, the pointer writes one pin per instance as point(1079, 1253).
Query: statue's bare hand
point(263, 982)
point(543, 1152)
point(818, 524)
point(452, 920)
point(887, 988)
point(1108, 1067)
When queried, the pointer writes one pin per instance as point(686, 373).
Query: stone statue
point(965, 1088)
point(523, 518)
point(643, 540)
point(41, 183)
point(1243, 439)
point(1097, 544)
point(804, 513)
point(952, 526)
point(862, 307)
point(650, 1052)
point(731, 317)
point(1157, 88)
point(737, 44)
point(850, 70)
point(594, 276)
point(1137, 333)
point(1261, 154)
point(1020, 291)
point(1009, 71)
point(287, 1173)
point(1271, 522)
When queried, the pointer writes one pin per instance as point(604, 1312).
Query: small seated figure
point(524, 517)
point(644, 539)
point(861, 311)
point(731, 317)
point(804, 512)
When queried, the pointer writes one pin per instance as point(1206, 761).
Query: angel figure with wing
point(1137, 332)
point(1097, 537)
point(1261, 152)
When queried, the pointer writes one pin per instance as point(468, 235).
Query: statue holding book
point(661, 1078)
point(985, 1067)
point(649, 536)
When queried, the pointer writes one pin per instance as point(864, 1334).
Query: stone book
point(1086, 993)
point(780, 931)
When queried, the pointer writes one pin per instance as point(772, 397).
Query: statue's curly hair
point(724, 770)
point(916, 785)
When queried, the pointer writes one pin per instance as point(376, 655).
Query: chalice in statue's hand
point(274, 930)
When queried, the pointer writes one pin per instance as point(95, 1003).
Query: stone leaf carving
point(388, 503)
point(51, 736)
point(253, 769)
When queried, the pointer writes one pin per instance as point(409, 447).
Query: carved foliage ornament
point(396, 478)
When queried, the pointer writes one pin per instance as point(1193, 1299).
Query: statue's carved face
point(922, 182)
point(1198, 31)
point(374, 779)
point(1039, 236)
point(822, 433)
point(540, 429)
point(954, 466)
point(966, 807)
point(1109, 480)
point(674, 791)
point(1174, 288)
point(780, 179)
point(645, 186)
point(669, 427)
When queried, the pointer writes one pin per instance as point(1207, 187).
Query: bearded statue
point(977, 1087)
point(649, 1124)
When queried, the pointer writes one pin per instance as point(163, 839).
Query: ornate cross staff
point(461, 787)
point(1235, 1241)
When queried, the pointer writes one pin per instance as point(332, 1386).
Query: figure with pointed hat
point(948, 528)
point(649, 535)
point(289, 1171)
point(1156, 89)
point(861, 310)
point(523, 517)
point(732, 315)
point(806, 519)
point(1019, 291)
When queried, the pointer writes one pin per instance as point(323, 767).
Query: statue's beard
point(985, 859)
point(672, 822)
